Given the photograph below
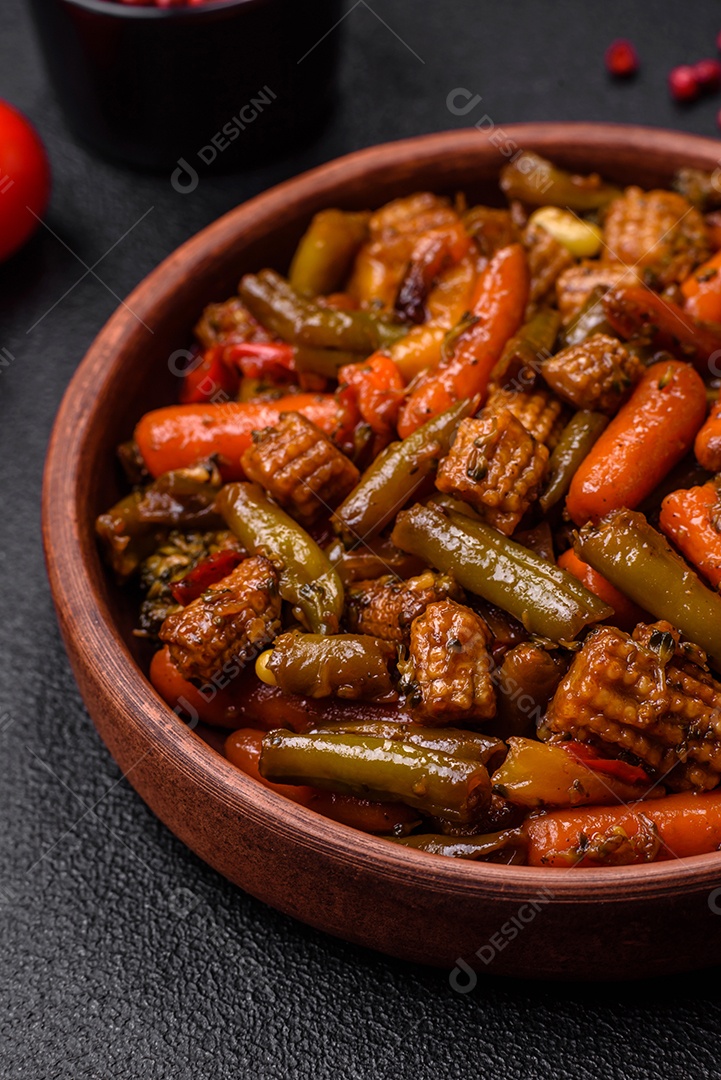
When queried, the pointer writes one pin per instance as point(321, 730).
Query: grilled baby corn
point(386, 607)
point(231, 621)
point(449, 667)
point(496, 466)
point(300, 467)
point(646, 695)
point(596, 375)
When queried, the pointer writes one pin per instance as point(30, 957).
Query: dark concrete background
point(122, 955)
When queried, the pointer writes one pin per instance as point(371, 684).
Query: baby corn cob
point(540, 412)
point(658, 232)
point(449, 665)
point(386, 607)
point(231, 621)
point(596, 375)
point(300, 467)
point(496, 466)
point(648, 696)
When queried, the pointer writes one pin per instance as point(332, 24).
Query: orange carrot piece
point(626, 614)
point(691, 518)
point(177, 436)
point(634, 309)
point(243, 749)
point(686, 824)
point(218, 705)
point(378, 387)
point(702, 290)
point(497, 309)
point(651, 433)
point(708, 441)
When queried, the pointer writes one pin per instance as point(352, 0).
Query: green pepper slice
point(577, 438)
point(381, 770)
point(278, 307)
point(326, 251)
point(307, 578)
point(396, 474)
point(548, 601)
point(639, 561)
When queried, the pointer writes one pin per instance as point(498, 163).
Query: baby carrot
point(635, 310)
point(243, 748)
point(497, 312)
point(702, 290)
point(650, 434)
point(181, 435)
point(377, 386)
point(708, 441)
point(672, 827)
point(626, 614)
point(691, 518)
point(211, 704)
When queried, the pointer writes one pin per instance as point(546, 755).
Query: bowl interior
point(127, 372)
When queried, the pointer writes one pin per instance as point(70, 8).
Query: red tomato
point(24, 179)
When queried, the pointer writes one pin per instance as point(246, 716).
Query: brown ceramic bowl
point(593, 924)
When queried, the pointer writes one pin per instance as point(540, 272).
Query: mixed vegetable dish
point(435, 529)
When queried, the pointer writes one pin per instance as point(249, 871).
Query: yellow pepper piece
point(582, 238)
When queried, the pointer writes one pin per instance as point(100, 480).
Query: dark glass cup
point(225, 83)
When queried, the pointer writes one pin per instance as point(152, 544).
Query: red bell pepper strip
point(497, 312)
point(209, 379)
point(636, 310)
point(621, 770)
point(258, 359)
point(377, 387)
point(208, 572)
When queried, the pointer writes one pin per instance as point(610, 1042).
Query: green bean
point(132, 529)
point(326, 251)
point(535, 180)
point(523, 356)
point(307, 579)
point(463, 847)
point(469, 745)
point(396, 474)
point(381, 770)
point(591, 319)
point(323, 361)
point(547, 600)
point(354, 666)
point(577, 438)
point(271, 300)
point(640, 562)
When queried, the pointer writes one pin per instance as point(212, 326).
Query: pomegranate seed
point(621, 58)
point(682, 83)
point(708, 74)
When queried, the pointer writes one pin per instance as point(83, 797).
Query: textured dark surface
point(121, 955)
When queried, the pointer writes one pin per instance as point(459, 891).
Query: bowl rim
point(97, 642)
point(115, 9)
